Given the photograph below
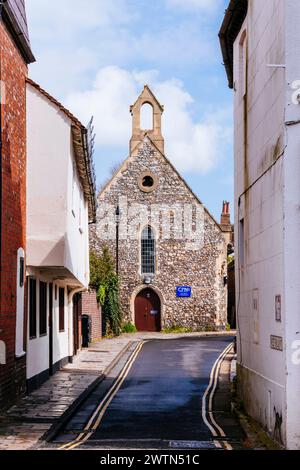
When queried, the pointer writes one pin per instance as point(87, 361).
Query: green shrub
point(129, 328)
point(111, 306)
point(177, 329)
point(104, 280)
point(101, 294)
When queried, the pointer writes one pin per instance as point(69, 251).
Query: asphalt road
point(159, 404)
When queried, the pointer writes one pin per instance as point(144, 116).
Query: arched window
point(147, 117)
point(148, 251)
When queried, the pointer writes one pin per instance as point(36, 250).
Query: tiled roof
point(55, 102)
point(14, 14)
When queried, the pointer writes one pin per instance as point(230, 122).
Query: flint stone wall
point(202, 269)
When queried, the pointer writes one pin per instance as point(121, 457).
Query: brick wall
point(13, 71)
point(91, 307)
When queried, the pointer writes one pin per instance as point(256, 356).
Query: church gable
point(148, 177)
point(162, 237)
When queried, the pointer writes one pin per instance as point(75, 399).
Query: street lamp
point(118, 213)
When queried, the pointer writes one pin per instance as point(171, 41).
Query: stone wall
point(203, 269)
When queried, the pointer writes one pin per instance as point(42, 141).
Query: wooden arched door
point(147, 311)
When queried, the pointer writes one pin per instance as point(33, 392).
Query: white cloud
point(206, 6)
point(74, 39)
point(71, 17)
point(192, 145)
point(71, 42)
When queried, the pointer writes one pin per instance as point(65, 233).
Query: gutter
point(83, 147)
point(88, 154)
point(231, 26)
point(17, 33)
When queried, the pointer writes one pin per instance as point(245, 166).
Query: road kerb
point(49, 435)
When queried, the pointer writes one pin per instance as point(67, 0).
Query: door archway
point(147, 310)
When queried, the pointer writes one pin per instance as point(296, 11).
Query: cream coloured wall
point(38, 348)
point(267, 199)
point(54, 238)
point(57, 248)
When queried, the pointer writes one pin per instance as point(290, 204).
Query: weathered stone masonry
point(176, 264)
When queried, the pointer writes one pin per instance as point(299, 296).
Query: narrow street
point(154, 399)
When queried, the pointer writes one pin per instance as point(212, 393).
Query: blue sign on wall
point(183, 291)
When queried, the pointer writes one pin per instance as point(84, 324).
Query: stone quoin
point(166, 237)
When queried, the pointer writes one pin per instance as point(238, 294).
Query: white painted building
point(60, 205)
point(260, 43)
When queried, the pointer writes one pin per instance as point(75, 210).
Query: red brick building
point(92, 308)
point(15, 54)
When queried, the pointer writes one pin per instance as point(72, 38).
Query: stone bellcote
point(138, 134)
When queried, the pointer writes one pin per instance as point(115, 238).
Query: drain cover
point(192, 445)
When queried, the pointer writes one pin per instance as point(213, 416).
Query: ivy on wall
point(104, 280)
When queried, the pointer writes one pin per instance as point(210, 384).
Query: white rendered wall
point(261, 279)
point(48, 149)
point(292, 226)
point(77, 234)
point(57, 221)
point(54, 235)
point(38, 348)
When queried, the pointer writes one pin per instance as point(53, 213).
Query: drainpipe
point(70, 321)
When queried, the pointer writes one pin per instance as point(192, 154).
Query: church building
point(171, 254)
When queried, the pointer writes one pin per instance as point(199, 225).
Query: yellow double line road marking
point(209, 393)
point(98, 414)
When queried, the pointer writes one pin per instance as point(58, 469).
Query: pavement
point(43, 413)
point(25, 423)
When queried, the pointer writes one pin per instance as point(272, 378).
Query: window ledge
point(20, 356)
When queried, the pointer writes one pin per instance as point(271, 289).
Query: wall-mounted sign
point(183, 291)
point(255, 303)
point(278, 308)
point(276, 342)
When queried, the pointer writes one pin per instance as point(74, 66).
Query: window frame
point(32, 308)
point(146, 263)
point(43, 329)
point(241, 243)
point(61, 310)
point(21, 271)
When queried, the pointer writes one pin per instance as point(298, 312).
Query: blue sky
point(95, 57)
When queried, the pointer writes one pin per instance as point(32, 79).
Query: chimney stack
point(225, 216)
